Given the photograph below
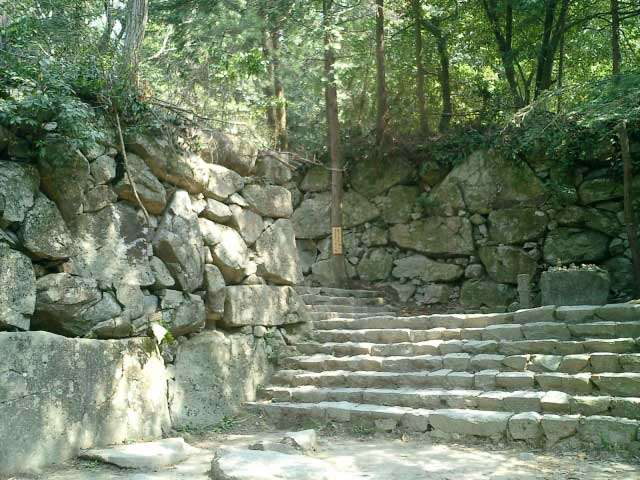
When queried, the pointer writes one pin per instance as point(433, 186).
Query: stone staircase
point(545, 375)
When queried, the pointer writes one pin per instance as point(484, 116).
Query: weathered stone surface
point(214, 374)
point(17, 289)
point(375, 265)
point(476, 293)
point(317, 179)
point(88, 393)
point(18, 191)
point(214, 299)
point(258, 465)
point(151, 192)
point(216, 211)
point(272, 170)
point(525, 426)
point(178, 242)
point(71, 305)
point(575, 287)
point(591, 218)
point(304, 440)
point(279, 258)
point(375, 236)
point(488, 182)
point(263, 305)
point(367, 175)
point(412, 266)
point(505, 263)
point(569, 245)
point(103, 169)
point(44, 233)
point(308, 253)
point(111, 246)
point(436, 293)
point(620, 384)
point(161, 274)
point(98, 198)
point(557, 427)
point(145, 455)
point(269, 200)
point(232, 151)
point(599, 190)
point(608, 431)
point(357, 209)
point(64, 173)
point(516, 225)
point(221, 182)
point(620, 274)
point(248, 223)
point(180, 312)
point(438, 236)
point(229, 250)
point(470, 422)
point(398, 205)
point(268, 446)
point(323, 272)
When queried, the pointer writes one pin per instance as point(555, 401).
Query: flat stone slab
point(146, 455)
point(259, 465)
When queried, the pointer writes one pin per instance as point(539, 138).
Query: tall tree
point(616, 56)
point(334, 145)
point(420, 80)
point(555, 19)
point(136, 23)
point(383, 116)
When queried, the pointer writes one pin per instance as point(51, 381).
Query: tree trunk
point(269, 87)
point(335, 151)
point(629, 217)
point(560, 73)
point(553, 31)
point(616, 56)
point(422, 112)
point(282, 141)
point(382, 121)
point(445, 83)
point(137, 16)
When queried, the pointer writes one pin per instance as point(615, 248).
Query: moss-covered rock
point(376, 265)
point(375, 175)
point(572, 245)
point(398, 205)
point(437, 236)
point(478, 293)
point(504, 263)
point(516, 225)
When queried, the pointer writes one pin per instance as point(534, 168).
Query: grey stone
point(375, 265)
point(569, 245)
point(18, 191)
point(590, 218)
point(574, 287)
point(404, 290)
point(620, 273)
point(525, 426)
point(232, 151)
point(269, 200)
point(257, 465)
point(150, 191)
point(470, 422)
point(504, 264)
point(214, 374)
point(216, 292)
point(476, 293)
point(267, 446)
point(103, 169)
point(532, 315)
point(229, 250)
point(131, 299)
point(79, 389)
point(216, 211)
point(98, 198)
point(607, 431)
point(599, 190)
point(323, 272)
point(263, 305)
point(621, 384)
point(398, 204)
point(272, 170)
point(557, 427)
point(317, 179)
point(357, 209)
point(516, 225)
point(438, 236)
point(161, 274)
point(276, 248)
point(146, 455)
point(305, 440)
point(375, 237)
point(181, 313)
point(412, 266)
point(619, 312)
point(17, 289)
point(436, 293)
point(44, 233)
point(248, 223)
point(367, 175)
point(308, 253)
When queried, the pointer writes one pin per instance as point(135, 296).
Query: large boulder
point(87, 393)
point(44, 233)
point(571, 245)
point(181, 313)
point(600, 190)
point(620, 274)
point(215, 292)
point(276, 247)
point(178, 242)
point(323, 272)
point(228, 249)
point(308, 253)
point(437, 236)
point(272, 169)
point(357, 209)
point(248, 223)
point(317, 179)
point(517, 225)
point(151, 192)
point(72, 305)
point(478, 293)
point(584, 286)
point(214, 374)
point(64, 173)
point(484, 182)
point(18, 190)
point(263, 305)
point(376, 265)
point(268, 200)
point(504, 263)
point(398, 205)
point(111, 246)
point(374, 175)
point(228, 150)
point(591, 218)
point(17, 289)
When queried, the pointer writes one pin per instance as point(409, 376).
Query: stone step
point(445, 422)
point(336, 292)
point(311, 299)
point(320, 316)
point(423, 322)
point(371, 310)
point(512, 332)
point(572, 364)
point(614, 384)
point(474, 347)
point(433, 398)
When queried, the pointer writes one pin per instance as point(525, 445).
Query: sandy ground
point(377, 457)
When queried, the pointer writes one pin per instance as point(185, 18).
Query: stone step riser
point(514, 332)
point(348, 301)
point(448, 424)
point(336, 292)
point(550, 403)
point(569, 364)
point(320, 316)
point(475, 347)
point(619, 385)
point(371, 310)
